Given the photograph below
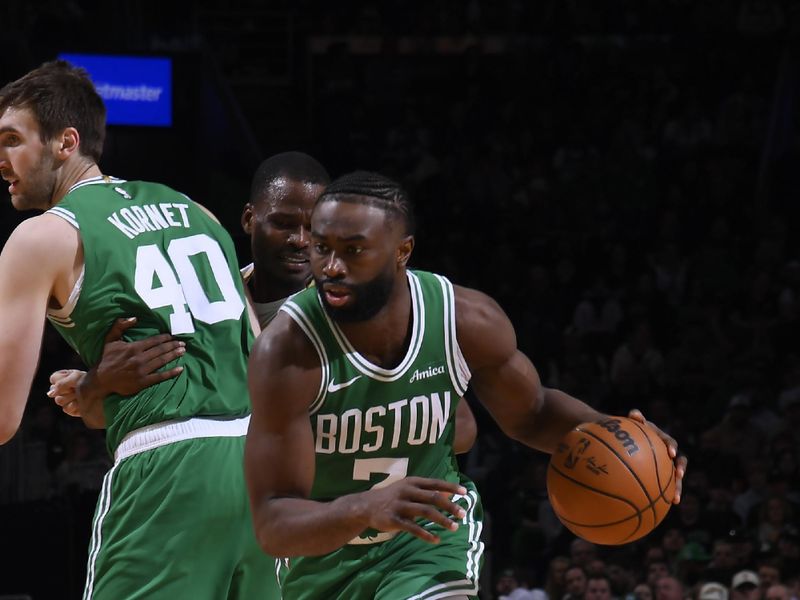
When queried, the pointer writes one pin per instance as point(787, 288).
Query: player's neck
point(265, 289)
point(73, 172)
point(384, 338)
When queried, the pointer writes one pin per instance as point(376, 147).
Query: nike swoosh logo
point(335, 387)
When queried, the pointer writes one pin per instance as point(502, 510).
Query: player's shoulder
point(480, 318)
point(474, 305)
point(282, 343)
point(47, 230)
point(42, 240)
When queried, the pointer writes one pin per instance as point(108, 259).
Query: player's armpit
point(466, 428)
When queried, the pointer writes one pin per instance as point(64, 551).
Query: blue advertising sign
point(136, 90)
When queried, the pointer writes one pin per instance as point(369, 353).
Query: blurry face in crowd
point(777, 592)
point(768, 575)
point(656, 571)
point(582, 552)
point(673, 540)
point(643, 592)
point(598, 589)
point(575, 582)
point(747, 591)
point(669, 588)
point(558, 568)
point(723, 555)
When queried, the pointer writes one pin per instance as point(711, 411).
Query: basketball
point(611, 482)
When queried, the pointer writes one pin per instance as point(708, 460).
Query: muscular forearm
point(288, 527)
point(559, 413)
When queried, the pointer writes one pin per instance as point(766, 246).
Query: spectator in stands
point(668, 588)
point(745, 585)
point(575, 583)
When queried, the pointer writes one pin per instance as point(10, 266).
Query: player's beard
point(40, 183)
point(367, 298)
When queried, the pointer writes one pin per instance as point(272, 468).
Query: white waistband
point(161, 434)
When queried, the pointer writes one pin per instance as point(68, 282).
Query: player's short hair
point(376, 190)
point(296, 166)
point(60, 96)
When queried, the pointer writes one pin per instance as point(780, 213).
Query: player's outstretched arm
point(507, 383)
point(284, 377)
point(125, 368)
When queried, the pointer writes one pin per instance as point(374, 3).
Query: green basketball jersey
point(373, 426)
point(152, 253)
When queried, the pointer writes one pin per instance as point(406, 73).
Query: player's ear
point(247, 219)
point(67, 142)
point(404, 250)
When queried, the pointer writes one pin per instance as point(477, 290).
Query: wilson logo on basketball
point(615, 426)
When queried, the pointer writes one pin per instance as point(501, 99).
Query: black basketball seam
point(613, 522)
point(655, 463)
point(637, 513)
point(627, 466)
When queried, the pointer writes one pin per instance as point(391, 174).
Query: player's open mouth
point(336, 295)
point(295, 262)
point(13, 186)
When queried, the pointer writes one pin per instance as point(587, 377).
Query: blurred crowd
point(629, 200)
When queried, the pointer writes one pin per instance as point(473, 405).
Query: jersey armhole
point(298, 316)
point(456, 364)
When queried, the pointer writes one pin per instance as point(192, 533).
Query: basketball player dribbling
point(354, 384)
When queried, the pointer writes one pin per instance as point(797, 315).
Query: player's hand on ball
point(63, 390)
point(672, 446)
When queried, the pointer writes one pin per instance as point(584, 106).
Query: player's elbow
point(267, 536)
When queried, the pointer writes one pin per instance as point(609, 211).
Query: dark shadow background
point(620, 175)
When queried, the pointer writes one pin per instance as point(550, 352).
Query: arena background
point(620, 175)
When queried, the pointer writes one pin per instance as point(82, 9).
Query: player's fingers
point(160, 376)
point(672, 444)
point(157, 357)
point(118, 328)
point(680, 470)
point(64, 399)
point(72, 409)
point(152, 344)
point(57, 375)
point(62, 374)
point(441, 500)
point(429, 512)
point(636, 415)
point(439, 485)
point(411, 527)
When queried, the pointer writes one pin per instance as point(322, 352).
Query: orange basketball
point(611, 482)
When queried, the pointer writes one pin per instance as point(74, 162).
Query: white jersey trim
point(417, 336)
point(299, 317)
point(95, 180)
point(63, 316)
point(457, 364)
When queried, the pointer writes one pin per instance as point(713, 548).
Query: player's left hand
point(672, 447)
point(64, 390)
